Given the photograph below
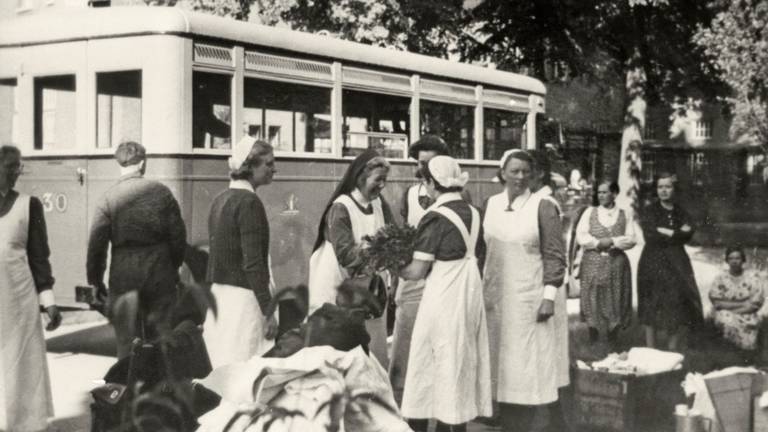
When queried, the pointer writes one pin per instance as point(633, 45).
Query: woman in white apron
point(239, 267)
point(355, 210)
point(524, 268)
point(416, 201)
point(25, 283)
point(448, 375)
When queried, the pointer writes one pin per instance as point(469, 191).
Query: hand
point(55, 318)
point(665, 231)
point(605, 243)
point(546, 310)
point(270, 330)
point(685, 228)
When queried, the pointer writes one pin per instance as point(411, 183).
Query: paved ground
point(82, 349)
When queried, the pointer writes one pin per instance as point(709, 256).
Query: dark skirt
point(606, 290)
point(668, 296)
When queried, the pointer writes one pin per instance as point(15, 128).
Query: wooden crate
point(626, 403)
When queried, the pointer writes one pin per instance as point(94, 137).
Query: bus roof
point(70, 24)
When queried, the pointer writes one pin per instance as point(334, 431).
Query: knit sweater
point(239, 241)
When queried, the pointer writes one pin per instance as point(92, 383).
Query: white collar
point(241, 184)
point(130, 169)
point(358, 196)
point(519, 201)
point(446, 197)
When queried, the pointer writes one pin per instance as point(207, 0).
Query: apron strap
point(469, 238)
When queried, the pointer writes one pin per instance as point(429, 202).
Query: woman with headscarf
point(238, 266)
point(356, 209)
point(524, 268)
point(448, 374)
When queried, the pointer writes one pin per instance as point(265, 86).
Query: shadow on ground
point(98, 340)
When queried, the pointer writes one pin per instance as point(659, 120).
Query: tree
point(736, 44)
point(646, 42)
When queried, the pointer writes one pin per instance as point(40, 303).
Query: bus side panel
point(57, 185)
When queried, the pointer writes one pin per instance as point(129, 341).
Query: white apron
point(524, 356)
point(25, 389)
point(448, 376)
point(325, 273)
point(237, 333)
point(407, 300)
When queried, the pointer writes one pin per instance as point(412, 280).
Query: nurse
point(356, 209)
point(448, 374)
point(524, 266)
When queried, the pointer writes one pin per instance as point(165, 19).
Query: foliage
point(390, 248)
point(736, 44)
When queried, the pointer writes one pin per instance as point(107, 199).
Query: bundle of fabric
point(639, 361)
point(316, 389)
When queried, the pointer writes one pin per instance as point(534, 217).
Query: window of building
point(504, 130)
point(291, 117)
point(757, 169)
point(703, 129)
point(648, 167)
point(8, 112)
point(649, 131)
point(454, 123)
point(373, 120)
point(55, 112)
point(118, 108)
point(211, 110)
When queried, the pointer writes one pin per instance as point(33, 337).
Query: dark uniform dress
point(668, 296)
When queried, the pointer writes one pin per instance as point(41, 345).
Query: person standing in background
point(238, 266)
point(605, 231)
point(414, 206)
point(667, 293)
point(142, 221)
point(26, 281)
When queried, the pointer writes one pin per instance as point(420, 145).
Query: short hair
point(373, 164)
point(613, 186)
point(735, 248)
point(259, 149)
point(428, 142)
point(427, 175)
point(130, 153)
point(7, 150)
point(522, 155)
point(665, 175)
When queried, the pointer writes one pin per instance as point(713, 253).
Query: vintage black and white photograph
point(383, 215)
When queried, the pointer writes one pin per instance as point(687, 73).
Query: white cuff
point(46, 298)
point(550, 292)
point(423, 256)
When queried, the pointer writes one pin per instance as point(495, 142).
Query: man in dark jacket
point(142, 221)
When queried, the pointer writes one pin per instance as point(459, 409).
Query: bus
point(77, 82)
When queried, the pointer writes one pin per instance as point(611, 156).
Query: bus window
point(373, 120)
point(8, 111)
point(291, 117)
point(453, 123)
point(503, 131)
point(211, 110)
point(55, 112)
point(118, 108)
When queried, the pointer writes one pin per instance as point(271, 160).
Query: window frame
point(16, 115)
point(79, 147)
point(94, 149)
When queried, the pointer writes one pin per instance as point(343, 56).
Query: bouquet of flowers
point(390, 248)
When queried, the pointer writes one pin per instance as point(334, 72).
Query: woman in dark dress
point(668, 297)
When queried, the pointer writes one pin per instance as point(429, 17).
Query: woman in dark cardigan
point(668, 297)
